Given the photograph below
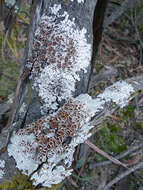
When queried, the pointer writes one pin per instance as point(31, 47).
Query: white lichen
point(24, 160)
point(53, 172)
point(79, 1)
point(2, 165)
point(50, 173)
point(10, 98)
point(58, 159)
point(48, 177)
point(64, 51)
point(24, 147)
point(119, 93)
point(22, 108)
point(10, 3)
point(55, 9)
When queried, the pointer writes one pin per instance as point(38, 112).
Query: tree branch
point(104, 163)
point(124, 174)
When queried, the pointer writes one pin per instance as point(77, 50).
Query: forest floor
point(120, 56)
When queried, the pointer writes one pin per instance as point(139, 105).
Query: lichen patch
point(53, 140)
point(60, 52)
point(2, 165)
point(119, 93)
point(79, 1)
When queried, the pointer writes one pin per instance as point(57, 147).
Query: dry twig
point(114, 160)
point(117, 157)
point(115, 15)
point(124, 174)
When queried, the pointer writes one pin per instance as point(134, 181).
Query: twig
point(133, 19)
point(103, 145)
point(115, 15)
point(117, 157)
point(121, 176)
point(134, 22)
point(135, 160)
point(103, 178)
point(119, 38)
point(72, 182)
point(136, 28)
point(114, 160)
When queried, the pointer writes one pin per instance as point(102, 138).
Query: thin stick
point(121, 176)
point(117, 157)
point(114, 160)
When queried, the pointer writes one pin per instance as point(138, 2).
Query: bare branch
point(115, 15)
point(110, 107)
point(117, 157)
point(101, 152)
point(124, 174)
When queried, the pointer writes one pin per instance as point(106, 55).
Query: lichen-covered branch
point(55, 114)
point(136, 83)
point(51, 141)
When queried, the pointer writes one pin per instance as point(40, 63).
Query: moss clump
point(112, 141)
point(22, 182)
point(98, 67)
point(128, 112)
point(17, 182)
point(8, 78)
point(139, 125)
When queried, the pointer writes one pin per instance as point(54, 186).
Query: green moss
point(22, 182)
point(123, 23)
point(114, 128)
point(139, 125)
point(18, 182)
point(128, 112)
point(101, 85)
point(8, 78)
point(98, 67)
point(112, 141)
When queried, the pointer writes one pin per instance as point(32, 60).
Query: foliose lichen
point(2, 165)
point(51, 140)
point(10, 3)
point(119, 93)
point(60, 52)
point(79, 1)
